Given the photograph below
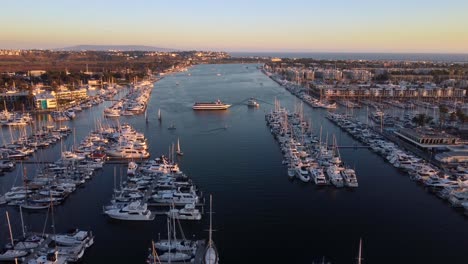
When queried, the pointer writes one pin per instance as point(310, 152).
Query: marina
point(250, 186)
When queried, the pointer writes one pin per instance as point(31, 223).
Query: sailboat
point(178, 150)
point(11, 254)
point(211, 253)
point(359, 259)
point(27, 202)
point(159, 114)
point(173, 250)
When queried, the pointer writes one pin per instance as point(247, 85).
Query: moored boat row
point(452, 186)
point(307, 158)
point(134, 103)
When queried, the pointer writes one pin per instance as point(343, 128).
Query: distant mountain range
point(115, 47)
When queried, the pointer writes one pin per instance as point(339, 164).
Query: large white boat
point(349, 178)
point(318, 176)
point(176, 198)
point(132, 167)
point(178, 245)
point(74, 238)
point(189, 212)
point(135, 211)
point(302, 173)
point(127, 153)
point(169, 257)
point(335, 176)
point(218, 105)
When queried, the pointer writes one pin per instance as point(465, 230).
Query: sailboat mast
point(9, 228)
point(210, 230)
point(155, 255)
point(22, 221)
point(169, 237)
point(360, 251)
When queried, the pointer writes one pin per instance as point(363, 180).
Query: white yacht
point(176, 198)
point(302, 173)
point(178, 245)
point(135, 211)
point(189, 212)
point(69, 156)
point(349, 177)
point(174, 257)
point(127, 153)
point(335, 176)
point(77, 237)
point(132, 167)
point(318, 176)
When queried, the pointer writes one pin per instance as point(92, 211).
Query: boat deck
point(147, 198)
point(34, 252)
point(199, 254)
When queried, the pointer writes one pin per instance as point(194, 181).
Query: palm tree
point(443, 110)
point(422, 119)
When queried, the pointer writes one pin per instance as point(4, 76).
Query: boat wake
point(214, 130)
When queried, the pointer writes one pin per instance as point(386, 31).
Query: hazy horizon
point(239, 51)
point(362, 26)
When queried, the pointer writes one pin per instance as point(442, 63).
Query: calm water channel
point(260, 216)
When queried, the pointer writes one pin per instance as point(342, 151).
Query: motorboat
point(132, 167)
point(178, 245)
point(75, 237)
point(349, 178)
point(135, 211)
point(318, 176)
point(302, 173)
point(189, 212)
point(335, 176)
point(252, 103)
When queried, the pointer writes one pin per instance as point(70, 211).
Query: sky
point(422, 26)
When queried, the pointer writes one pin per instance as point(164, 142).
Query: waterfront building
point(36, 73)
point(329, 74)
point(452, 157)
point(45, 101)
point(426, 139)
point(357, 75)
point(387, 91)
point(14, 99)
point(65, 94)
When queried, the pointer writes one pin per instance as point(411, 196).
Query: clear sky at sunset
point(240, 25)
